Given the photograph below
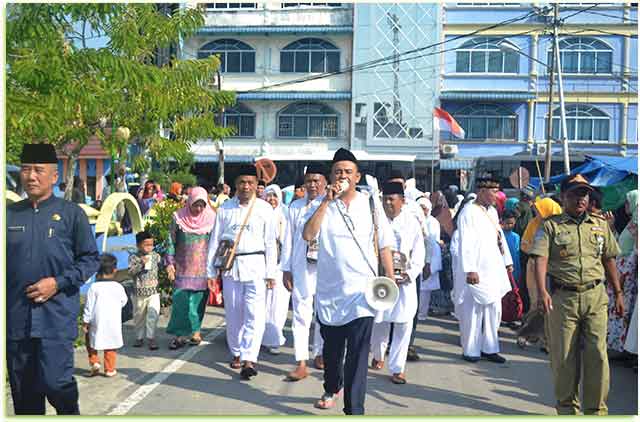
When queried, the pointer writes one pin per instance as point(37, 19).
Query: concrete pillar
point(623, 127)
point(99, 174)
point(531, 104)
point(82, 166)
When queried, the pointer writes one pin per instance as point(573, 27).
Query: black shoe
point(494, 357)
point(471, 358)
point(412, 355)
point(247, 372)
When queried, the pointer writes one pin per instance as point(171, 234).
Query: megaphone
point(382, 293)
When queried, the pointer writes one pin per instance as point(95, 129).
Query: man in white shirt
point(347, 260)
point(254, 267)
point(299, 266)
point(484, 262)
point(408, 258)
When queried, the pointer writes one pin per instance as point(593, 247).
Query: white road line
point(144, 390)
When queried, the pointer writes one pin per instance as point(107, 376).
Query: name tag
point(16, 228)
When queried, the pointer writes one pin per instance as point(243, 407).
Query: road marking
point(144, 390)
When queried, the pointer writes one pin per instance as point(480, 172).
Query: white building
point(266, 46)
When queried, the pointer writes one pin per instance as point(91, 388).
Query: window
point(310, 55)
point(230, 6)
point(243, 119)
point(308, 120)
point(487, 4)
point(487, 122)
point(235, 56)
point(287, 5)
point(583, 55)
point(483, 55)
point(584, 123)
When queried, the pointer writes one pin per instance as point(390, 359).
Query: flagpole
point(436, 129)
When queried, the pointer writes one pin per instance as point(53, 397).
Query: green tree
point(63, 89)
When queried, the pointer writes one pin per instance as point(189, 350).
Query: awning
point(271, 29)
point(453, 164)
point(487, 95)
point(328, 156)
point(213, 158)
point(293, 96)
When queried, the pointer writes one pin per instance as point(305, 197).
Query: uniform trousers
point(302, 317)
point(40, 368)
point(479, 326)
point(399, 344)
point(146, 316)
point(277, 306)
point(349, 370)
point(579, 318)
point(244, 306)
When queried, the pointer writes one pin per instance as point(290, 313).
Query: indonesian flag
point(445, 121)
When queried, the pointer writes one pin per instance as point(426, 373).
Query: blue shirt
point(513, 240)
point(53, 240)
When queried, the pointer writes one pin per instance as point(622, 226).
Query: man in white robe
point(299, 266)
point(244, 285)
point(410, 243)
point(484, 259)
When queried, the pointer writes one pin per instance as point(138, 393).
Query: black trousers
point(39, 369)
point(350, 371)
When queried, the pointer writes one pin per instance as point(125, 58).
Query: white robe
point(432, 245)
point(409, 241)
point(103, 313)
point(479, 253)
point(277, 298)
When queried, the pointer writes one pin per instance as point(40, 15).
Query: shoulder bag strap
point(244, 223)
point(353, 236)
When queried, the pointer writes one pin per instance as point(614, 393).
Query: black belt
point(581, 288)
point(250, 253)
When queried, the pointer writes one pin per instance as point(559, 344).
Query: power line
point(580, 11)
point(391, 58)
point(593, 12)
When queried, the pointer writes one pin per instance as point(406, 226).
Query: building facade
point(495, 82)
point(299, 98)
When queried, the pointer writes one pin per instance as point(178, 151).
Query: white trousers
point(244, 307)
point(146, 316)
point(277, 306)
point(423, 304)
point(302, 318)
point(399, 343)
point(479, 326)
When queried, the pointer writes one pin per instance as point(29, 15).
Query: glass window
point(235, 56)
point(308, 120)
point(487, 122)
point(289, 5)
point(584, 55)
point(243, 119)
point(584, 123)
point(310, 55)
point(230, 6)
point(483, 55)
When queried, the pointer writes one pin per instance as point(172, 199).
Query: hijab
point(196, 224)
point(626, 240)
point(501, 198)
point(274, 189)
point(511, 204)
point(545, 208)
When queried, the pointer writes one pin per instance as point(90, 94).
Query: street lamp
point(507, 47)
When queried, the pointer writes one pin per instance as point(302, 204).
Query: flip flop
point(327, 401)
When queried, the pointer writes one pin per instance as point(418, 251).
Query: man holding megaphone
point(349, 229)
point(408, 255)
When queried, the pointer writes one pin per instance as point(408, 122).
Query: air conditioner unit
point(541, 149)
point(449, 149)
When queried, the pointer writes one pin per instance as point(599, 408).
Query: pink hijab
point(200, 224)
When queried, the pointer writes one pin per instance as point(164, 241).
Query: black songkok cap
point(396, 174)
point(247, 170)
point(299, 183)
point(488, 183)
point(38, 154)
point(344, 155)
point(316, 168)
point(261, 183)
point(391, 188)
point(142, 236)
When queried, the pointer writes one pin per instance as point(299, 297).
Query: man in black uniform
point(50, 253)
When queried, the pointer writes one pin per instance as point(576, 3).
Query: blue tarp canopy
point(599, 171)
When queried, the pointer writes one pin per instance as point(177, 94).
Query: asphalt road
point(196, 380)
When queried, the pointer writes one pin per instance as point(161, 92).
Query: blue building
point(495, 82)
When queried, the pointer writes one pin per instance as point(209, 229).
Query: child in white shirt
point(103, 317)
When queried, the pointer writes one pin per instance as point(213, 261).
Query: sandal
point(377, 364)
point(327, 401)
point(176, 344)
point(398, 378)
point(195, 341)
point(153, 345)
point(235, 363)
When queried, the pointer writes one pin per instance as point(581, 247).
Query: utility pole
point(556, 66)
point(220, 141)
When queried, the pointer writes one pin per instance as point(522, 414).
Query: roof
point(292, 96)
point(270, 29)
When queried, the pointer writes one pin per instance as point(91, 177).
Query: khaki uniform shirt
point(575, 249)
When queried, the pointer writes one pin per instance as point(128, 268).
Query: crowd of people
point(314, 253)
